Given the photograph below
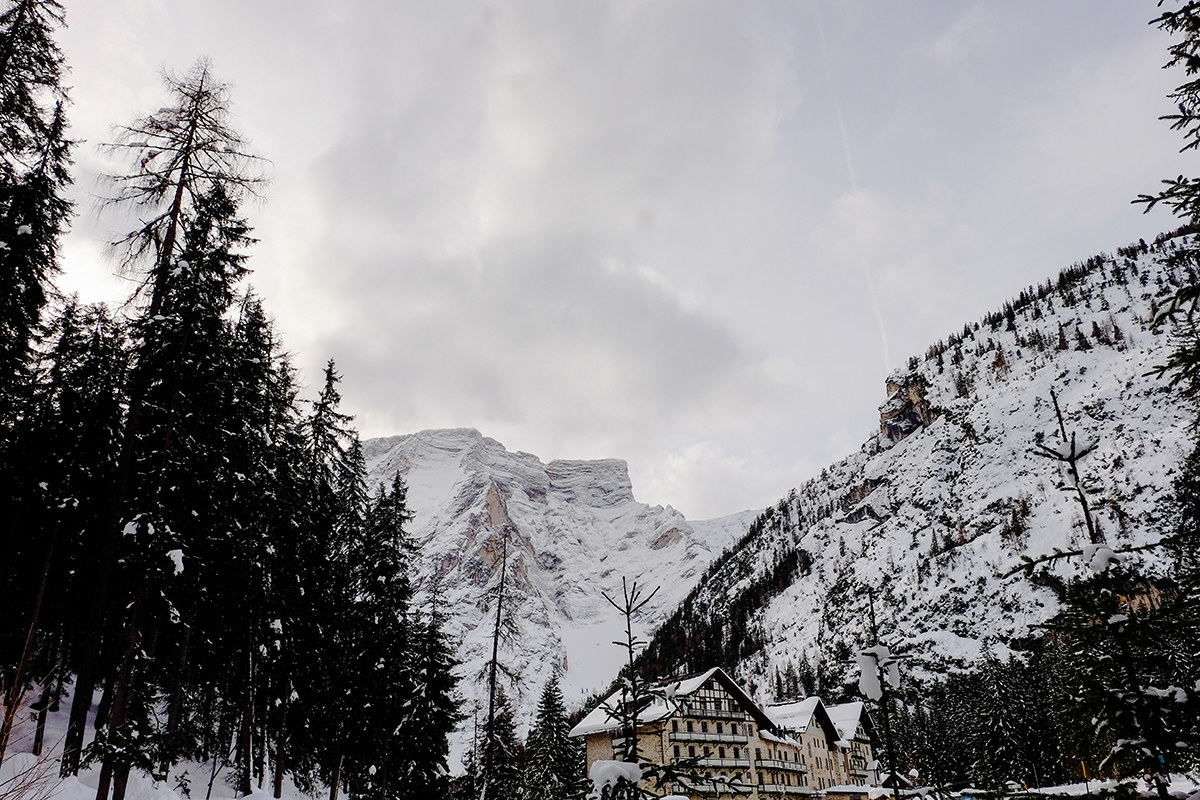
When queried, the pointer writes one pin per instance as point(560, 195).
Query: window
point(760, 778)
point(677, 751)
point(720, 752)
point(733, 727)
point(704, 727)
point(691, 751)
point(735, 753)
point(758, 754)
point(674, 726)
point(689, 726)
point(707, 752)
point(720, 728)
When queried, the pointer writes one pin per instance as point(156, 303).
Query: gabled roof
point(799, 715)
point(668, 697)
point(849, 717)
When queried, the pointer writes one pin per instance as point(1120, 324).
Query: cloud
point(963, 37)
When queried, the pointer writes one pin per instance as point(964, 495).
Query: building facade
point(725, 745)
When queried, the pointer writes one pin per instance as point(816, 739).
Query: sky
point(696, 235)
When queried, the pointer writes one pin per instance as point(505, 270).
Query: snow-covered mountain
point(575, 531)
point(946, 495)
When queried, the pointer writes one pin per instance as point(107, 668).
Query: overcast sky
point(693, 235)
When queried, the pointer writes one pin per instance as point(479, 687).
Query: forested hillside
point(950, 494)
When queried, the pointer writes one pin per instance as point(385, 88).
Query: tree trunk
point(277, 784)
point(244, 755)
point(14, 695)
point(120, 782)
point(105, 781)
point(336, 783)
point(39, 735)
point(175, 704)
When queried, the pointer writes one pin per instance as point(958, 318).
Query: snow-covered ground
point(26, 777)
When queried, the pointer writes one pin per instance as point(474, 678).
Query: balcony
point(719, 763)
point(771, 763)
point(715, 788)
point(712, 713)
point(778, 788)
point(700, 736)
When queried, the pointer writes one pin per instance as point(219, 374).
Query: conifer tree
point(502, 750)
point(998, 757)
point(1182, 194)
point(435, 712)
point(553, 759)
point(383, 651)
point(187, 167)
point(34, 158)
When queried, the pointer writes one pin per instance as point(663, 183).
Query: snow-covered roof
point(604, 716)
point(667, 698)
point(849, 717)
point(798, 715)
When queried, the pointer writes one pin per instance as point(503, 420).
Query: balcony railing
point(710, 736)
point(720, 787)
point(772, 763)
point(779, 788)
point(713, 761)
point(714, 713)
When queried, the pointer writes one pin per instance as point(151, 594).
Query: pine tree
point(383, 651)
point(176, 495)
point(1182, 195)
point(998, 731)
point(34, 157)
point(435, 711)
point(554, 760)
point(502, 750)
point(188, 170)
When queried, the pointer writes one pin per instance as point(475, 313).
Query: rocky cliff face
point(573, 531)
point(906, 409)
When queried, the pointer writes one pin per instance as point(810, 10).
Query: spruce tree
point(435, 712)
point(34, 158)
point(383, 654)
point(186, 168)
point(553, 759)
point(502, 751)
point(998, 731)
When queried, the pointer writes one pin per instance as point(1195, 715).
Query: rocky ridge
point(574, 530)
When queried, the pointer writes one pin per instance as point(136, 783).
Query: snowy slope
point(575, 531)
point(947, 495)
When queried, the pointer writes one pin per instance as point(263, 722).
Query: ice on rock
point(176, 557)
point(24, 230)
